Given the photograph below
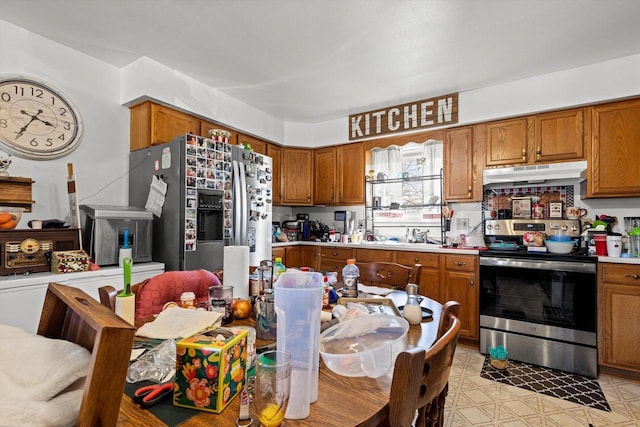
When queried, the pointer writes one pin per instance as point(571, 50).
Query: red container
point(600, 241)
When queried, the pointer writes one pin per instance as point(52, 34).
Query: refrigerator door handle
point(237, 209)
point(244, 197)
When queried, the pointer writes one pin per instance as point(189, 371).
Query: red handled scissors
point(150, 395)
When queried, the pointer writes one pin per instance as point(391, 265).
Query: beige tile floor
point(479, 402)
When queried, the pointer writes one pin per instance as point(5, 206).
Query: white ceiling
point(316, 60)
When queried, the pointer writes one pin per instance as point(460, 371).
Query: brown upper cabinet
point(543, 138)
point(460, 171)
point(339, 175)
point(297, 176)
point(507, 142)
point(614, 145)
point(153, 124)
point(258, 145)
point(558, 136)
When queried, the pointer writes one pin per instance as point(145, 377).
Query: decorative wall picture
point(521, 207)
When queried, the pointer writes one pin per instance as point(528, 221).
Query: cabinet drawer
point(411, 258)
point(332, 265)
point(342, 254)
point(618, 273)
point(460, 262)
point(372, 255)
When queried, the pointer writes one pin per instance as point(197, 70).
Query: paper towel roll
point(236, 270)
point(126, 308)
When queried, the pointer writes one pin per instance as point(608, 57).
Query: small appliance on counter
point(104, 229)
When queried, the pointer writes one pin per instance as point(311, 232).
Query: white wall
point(94, 86)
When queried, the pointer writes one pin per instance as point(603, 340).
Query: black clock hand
point(33, 118)
point(42, 121)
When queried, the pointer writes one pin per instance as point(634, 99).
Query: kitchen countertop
point(416, 247)
point(425, 247)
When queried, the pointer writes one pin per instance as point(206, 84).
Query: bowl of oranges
point(9, 217)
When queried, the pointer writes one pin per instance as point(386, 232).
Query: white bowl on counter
point(557, 247)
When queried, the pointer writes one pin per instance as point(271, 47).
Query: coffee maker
point(304, 229)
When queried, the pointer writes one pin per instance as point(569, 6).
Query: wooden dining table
point(342, 401)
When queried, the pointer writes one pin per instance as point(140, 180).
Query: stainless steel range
point(541, 307)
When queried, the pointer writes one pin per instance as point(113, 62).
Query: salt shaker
point(412, 310)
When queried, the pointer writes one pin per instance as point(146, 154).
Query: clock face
point(36, 120)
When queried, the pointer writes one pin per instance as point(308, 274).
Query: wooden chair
point(70, 314)
point(153, 293)
point(421, 377)
point(389, 274)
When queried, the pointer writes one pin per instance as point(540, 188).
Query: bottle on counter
point(412, 311)
point(350, 275)
point(278, 269)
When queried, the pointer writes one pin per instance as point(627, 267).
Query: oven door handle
point(573, 266)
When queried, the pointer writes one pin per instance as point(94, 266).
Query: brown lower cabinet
point(619, 317)
point(444, 277)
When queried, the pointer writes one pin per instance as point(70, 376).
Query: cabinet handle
point(459, 263)
point(633, 276)
point(524, 154)
point(472, 283)
point(335, 254)
point(469, 190)
point(416, 260)
point(538, 152)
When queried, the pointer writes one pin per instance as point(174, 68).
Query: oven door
point(558, 294)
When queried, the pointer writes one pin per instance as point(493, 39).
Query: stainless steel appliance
point(25, 251)
point(252, 203)
point(189, 233)
point(541, 307)
point(103, 232)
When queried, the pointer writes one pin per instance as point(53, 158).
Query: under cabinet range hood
point(535, 173)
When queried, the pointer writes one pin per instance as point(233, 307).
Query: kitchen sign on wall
point(432, 112)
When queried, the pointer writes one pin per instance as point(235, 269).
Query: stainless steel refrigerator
point(251, 205)
point(216, 195)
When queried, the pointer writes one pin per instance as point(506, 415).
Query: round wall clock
point(37, 121)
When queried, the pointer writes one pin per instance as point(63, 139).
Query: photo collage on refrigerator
point(208, 166)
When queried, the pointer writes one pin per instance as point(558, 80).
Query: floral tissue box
point(210, 368)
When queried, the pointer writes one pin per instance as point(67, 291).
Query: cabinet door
point(507, 142)
point(292, 254)
point(458, 164)
point(615, 150)
point(460, 286)
point(559, 136)
point(206, 126)
point(621, 323)
point(324, 167)
point(297, 178)
point(279, 252)
point(167, 123)
point(258, 145)
point(309, 256)
point(350, 169)
point(275, 152)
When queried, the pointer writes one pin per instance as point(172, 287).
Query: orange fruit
point(9, 225)
point(6, 217)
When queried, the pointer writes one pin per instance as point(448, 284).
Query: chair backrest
point(389, 274)
point(70, 314)
point(153, 293)
point(420, 379)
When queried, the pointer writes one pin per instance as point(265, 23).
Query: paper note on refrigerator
point(155, 200)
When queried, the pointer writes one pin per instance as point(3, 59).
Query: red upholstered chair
point(153, 293)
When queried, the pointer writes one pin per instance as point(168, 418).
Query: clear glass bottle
point(412, 310)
